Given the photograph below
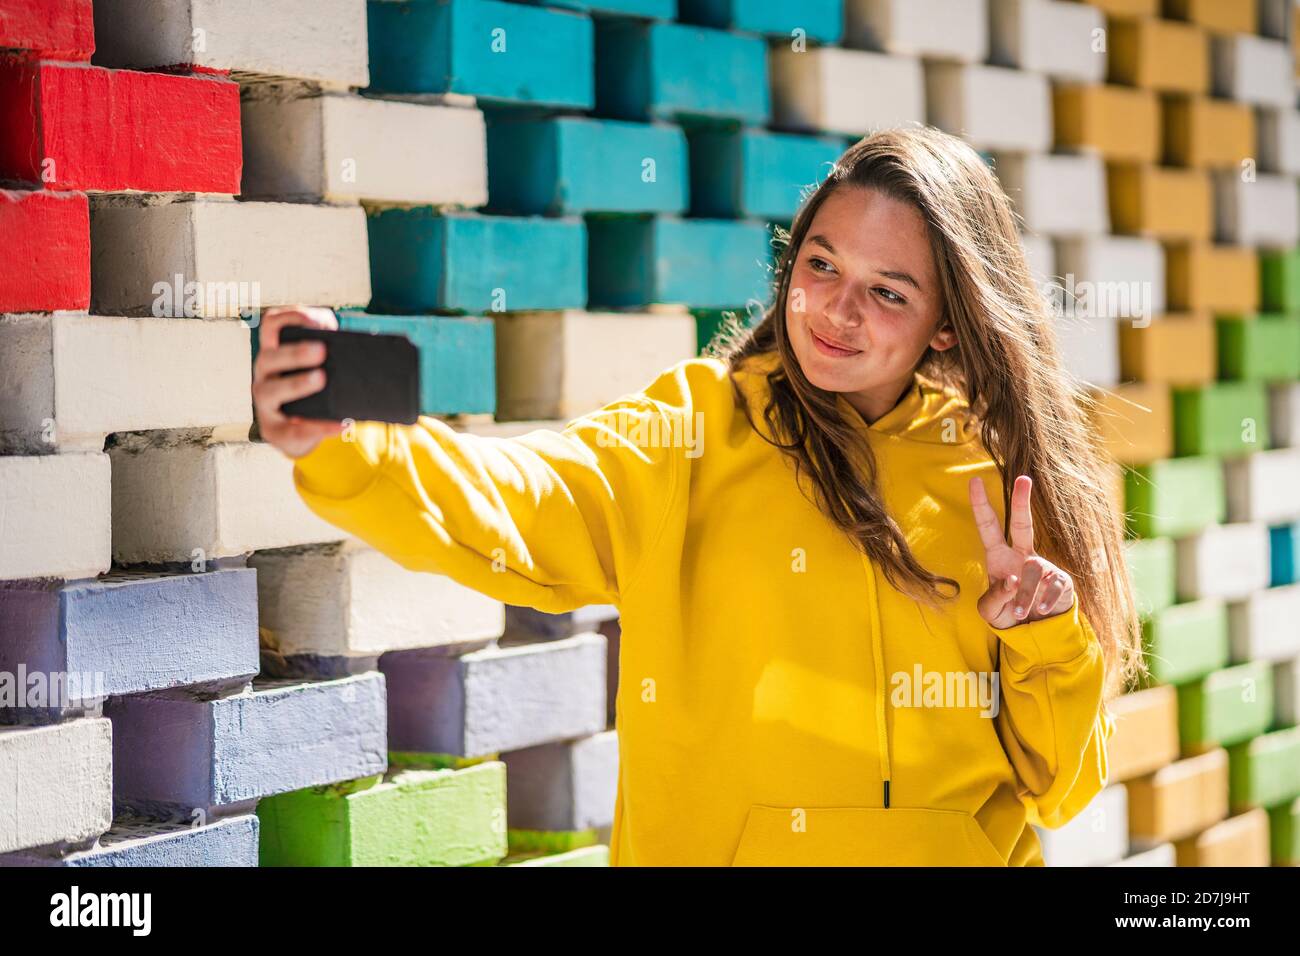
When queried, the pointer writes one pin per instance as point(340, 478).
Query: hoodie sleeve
point(550, 520)
point(1052, 722)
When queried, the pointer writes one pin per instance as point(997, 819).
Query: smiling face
point(864, 300)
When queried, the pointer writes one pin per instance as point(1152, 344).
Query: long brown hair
point(1033, 415)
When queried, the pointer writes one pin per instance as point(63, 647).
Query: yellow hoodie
point(779, 702)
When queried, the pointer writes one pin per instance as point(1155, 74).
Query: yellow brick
point(1162, 55)
point(1200, 276)
point(1146, 733)
point(1118, 122)
point(1179, 800)
point(1221, 16)
point(1134, 422)
point(1206, 133)
point(1237, 841)
point(1161, 202)
point(1127, 8)
point(1174, 350)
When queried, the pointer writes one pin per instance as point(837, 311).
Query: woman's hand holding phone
point(292, 435)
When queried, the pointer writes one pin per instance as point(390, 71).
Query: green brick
point(1261, 349)
point(1225, 708)
point(1153, 573)
point(406, 818)
point(1225, 418)
point(586, 856)
point(550, 841)
point(1284, 833)
point(1186, 642)
point(1279, 280)
point(709, 322)
point(1175, 496)
point(1265, 771)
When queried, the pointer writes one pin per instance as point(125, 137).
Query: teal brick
point(1284, 554)
point(648, 9)
point(421, 261)
point(1185, 642)
point(705, 263)
point(1153, 571)
point(501, 53)
point(1259, 349)
point(457, 358)
point(820, 20)
point(738, 174)
point(571, 165)
point(1225, 418)
point(1175, 496)
point(674, 72)
point(1279, 280)
point(1225, 708)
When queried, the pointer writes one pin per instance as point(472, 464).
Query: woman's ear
point(944, 339)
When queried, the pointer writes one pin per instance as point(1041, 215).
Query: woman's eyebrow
point(896, 275)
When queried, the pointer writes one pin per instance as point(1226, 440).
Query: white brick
point(1042, 259)
point(352, 601)
point(1096, 836)
point(1057, 195)
point(936, 29)
point(137, 251)
point(828, 89)
point(1279, 140)
point(993, 107)
point(77, 378)
point(57, 783)
point(565, 364)
point(1253, 69)
point(1284, 414)
point(1263, 627)
point(1264, 486)
point(181, 502)
point(344, 148)
point(1114, 276)
point(1048, 36)
point(54, 516)
point(1090, 348)
point(318, 40)
point(1286, 688)
point(1224, 561)
point(1263, 212)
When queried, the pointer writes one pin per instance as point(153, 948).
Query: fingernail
point(1043, 606)
point(1020, 611)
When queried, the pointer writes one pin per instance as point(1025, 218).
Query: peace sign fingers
point(986, 519)
point(1022, 519)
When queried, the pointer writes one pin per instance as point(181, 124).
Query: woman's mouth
point(830, 348)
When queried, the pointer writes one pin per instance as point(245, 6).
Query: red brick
point(52, 29)
point(44, 251)
point(77, 127)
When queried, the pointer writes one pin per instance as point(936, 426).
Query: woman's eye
point(889, 295)
point(817, 264)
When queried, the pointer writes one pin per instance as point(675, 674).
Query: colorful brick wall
point(557, 201)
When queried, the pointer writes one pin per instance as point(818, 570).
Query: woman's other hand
point(292, 435)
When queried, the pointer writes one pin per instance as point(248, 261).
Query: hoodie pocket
point(862, 836)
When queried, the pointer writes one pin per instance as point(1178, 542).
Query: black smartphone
point(368, 377)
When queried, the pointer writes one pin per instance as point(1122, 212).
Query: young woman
point(832, 652)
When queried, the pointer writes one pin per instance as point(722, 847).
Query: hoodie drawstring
point(878, 653)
